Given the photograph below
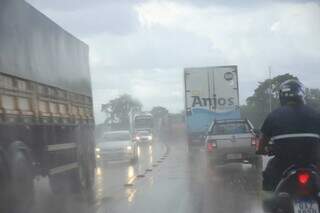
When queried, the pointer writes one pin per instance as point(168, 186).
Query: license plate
point(305, 206)
point(234, 156)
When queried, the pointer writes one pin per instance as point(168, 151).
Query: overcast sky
point(141, 47)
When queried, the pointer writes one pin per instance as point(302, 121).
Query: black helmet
point(292, 92)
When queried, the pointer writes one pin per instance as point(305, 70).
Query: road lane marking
point(130, 185)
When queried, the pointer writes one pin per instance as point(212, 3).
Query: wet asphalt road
point(167, 178)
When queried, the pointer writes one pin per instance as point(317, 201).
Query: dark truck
point(46, 113)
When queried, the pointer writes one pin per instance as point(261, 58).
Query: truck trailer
point(46, 113)
point(211, 93)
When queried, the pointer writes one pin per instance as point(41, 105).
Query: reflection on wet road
point(169, 178)
point(116, 180)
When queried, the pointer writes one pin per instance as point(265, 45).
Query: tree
point(159, 112)
point(160, 116)
point(117, 110)
point(258, 106)
point(313, 98)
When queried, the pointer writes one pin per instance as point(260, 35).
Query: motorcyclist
point(292, 117)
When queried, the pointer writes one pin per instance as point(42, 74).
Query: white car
point(115, 146)
point(142, 136)
point(232, 141)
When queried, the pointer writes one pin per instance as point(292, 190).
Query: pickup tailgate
point(232, 141)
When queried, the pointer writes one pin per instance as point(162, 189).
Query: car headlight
point(98, 149)
point(150, 137)
point(129, 148)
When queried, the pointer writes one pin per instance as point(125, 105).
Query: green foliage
point(117, 111)
point(159, 112)
point(258, 105)
point(313, 98)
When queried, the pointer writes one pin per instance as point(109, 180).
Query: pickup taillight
point(211, 145)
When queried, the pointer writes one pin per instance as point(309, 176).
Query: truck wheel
point(82, 179)
point(59, 183)
point(78, 181)
point(21, 179)
point(4, 183)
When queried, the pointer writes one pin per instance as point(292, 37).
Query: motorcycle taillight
point(303, 177)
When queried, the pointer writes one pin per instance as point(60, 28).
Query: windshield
point(111, 137)
point(143, 132)
point(230, 128)
point(109, 106)
point(143, 123)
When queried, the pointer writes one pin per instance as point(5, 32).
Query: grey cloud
point(228, 3)
point(240, 3)
point(84, 19)
point(72, 5)
point(159, 54)
point(159, 48)
point(109, 82)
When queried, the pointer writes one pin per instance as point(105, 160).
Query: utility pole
point(270, 90)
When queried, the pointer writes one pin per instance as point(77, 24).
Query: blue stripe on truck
point(201, 119)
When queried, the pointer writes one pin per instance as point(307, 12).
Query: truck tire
point(21, 175)
point(82, 179)
point(59, 184)
point(79, 181)
point(4, 185)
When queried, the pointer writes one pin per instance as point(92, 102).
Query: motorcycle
point(298, 190)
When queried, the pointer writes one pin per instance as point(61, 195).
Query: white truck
point(211, 93)
point(142, 126)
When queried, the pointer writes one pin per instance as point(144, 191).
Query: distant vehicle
point(142, 126)
point(142, 136)
point(232, 141)
point(116, 146)
point(46, 111)
point(211, 93)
